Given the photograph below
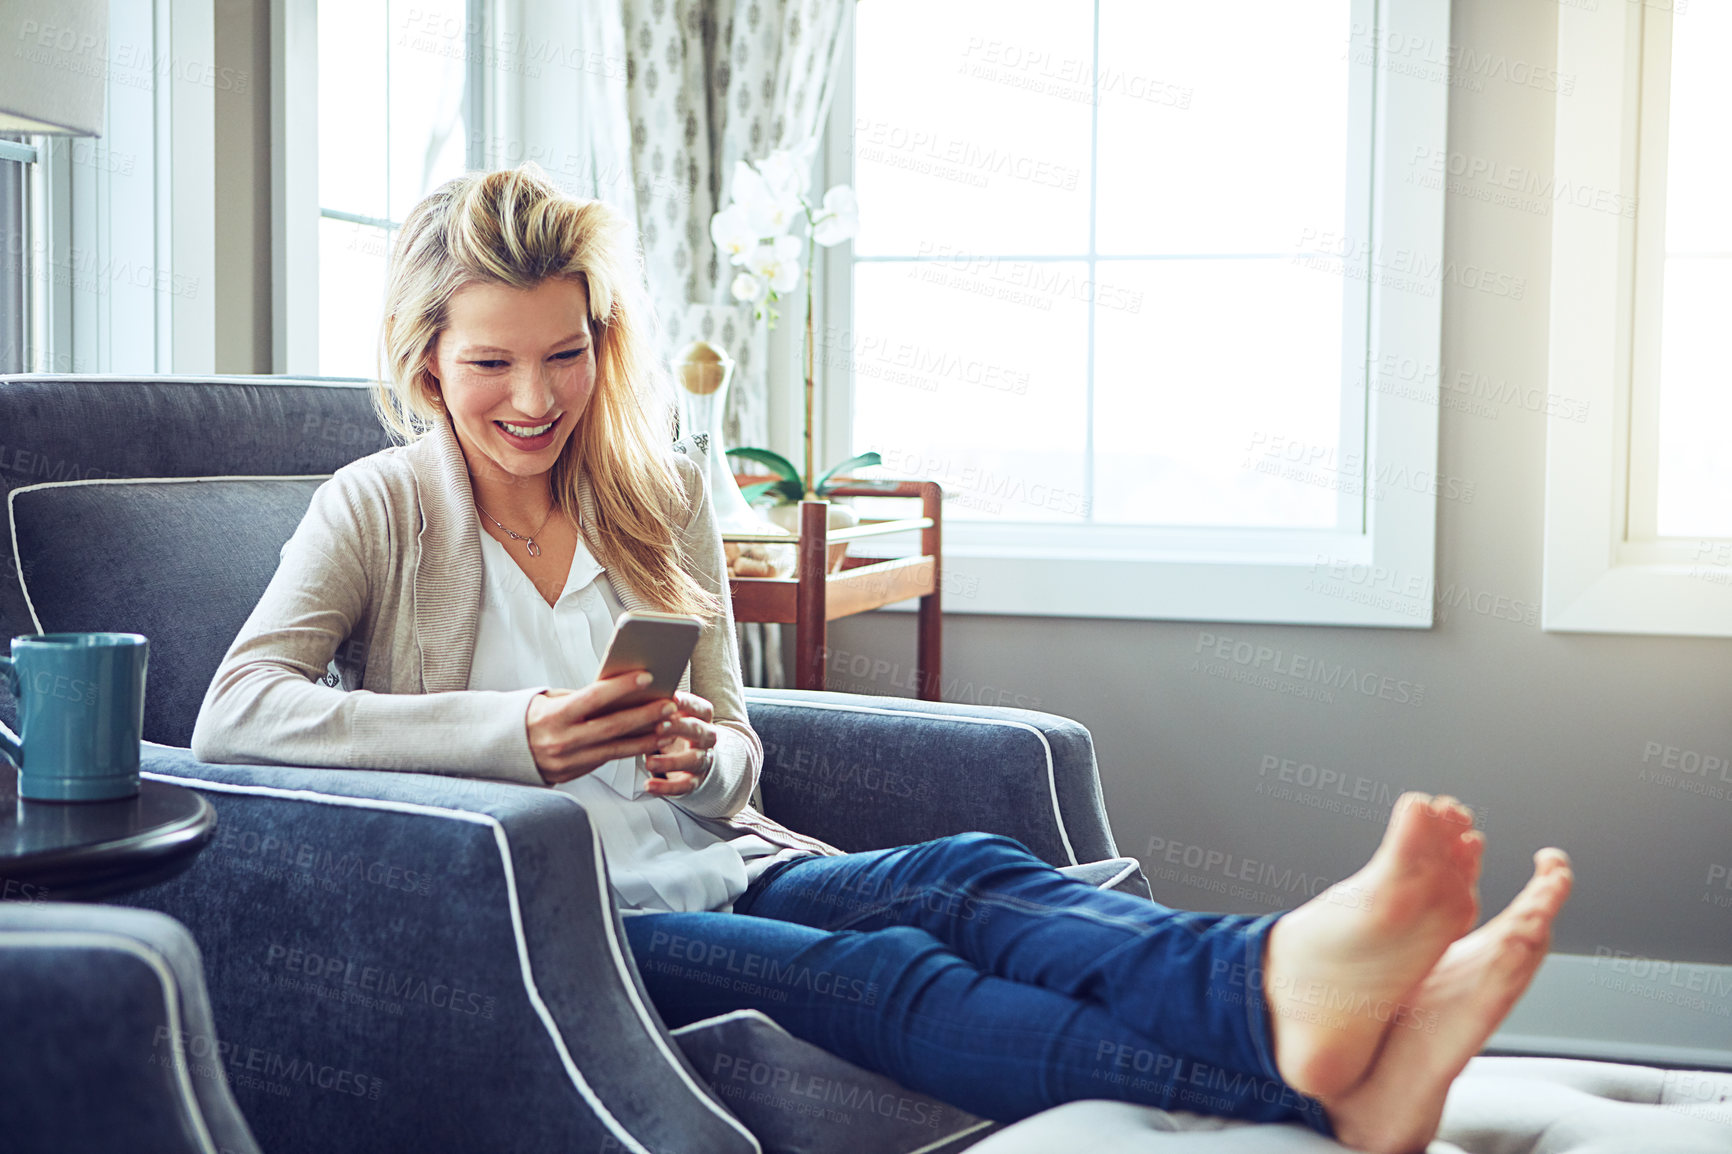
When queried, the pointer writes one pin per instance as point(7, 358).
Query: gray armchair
point(421, 961)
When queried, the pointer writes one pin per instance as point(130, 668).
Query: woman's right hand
point(570, 736)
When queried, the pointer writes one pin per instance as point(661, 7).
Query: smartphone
point(659, 642)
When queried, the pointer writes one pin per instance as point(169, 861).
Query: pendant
point(534, 549)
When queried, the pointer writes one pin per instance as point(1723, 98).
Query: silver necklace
point(529, 541)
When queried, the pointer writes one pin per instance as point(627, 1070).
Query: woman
point(466, 583)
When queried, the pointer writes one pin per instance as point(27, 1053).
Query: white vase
point(705, 373)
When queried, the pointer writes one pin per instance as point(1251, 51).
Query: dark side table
point(82, 851)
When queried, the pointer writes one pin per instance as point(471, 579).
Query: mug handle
point(10, 749)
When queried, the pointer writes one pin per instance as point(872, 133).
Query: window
point(1128, 283)
point(392, 84)
point(17, 154)
point(1681, 466)
point(1639, 483)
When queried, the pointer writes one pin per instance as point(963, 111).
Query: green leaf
point(753, 492)
point(783, 467)
point(784, 491)
point(857, 462)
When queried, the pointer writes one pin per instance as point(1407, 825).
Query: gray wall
point(1545, 732)
point(242, 172)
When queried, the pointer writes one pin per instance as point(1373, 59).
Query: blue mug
point(80, 714)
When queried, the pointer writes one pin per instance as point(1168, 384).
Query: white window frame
point(123, 240)
point(1605, 570)
point(1202, 574)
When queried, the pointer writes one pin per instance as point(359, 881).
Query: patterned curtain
point(710, 82)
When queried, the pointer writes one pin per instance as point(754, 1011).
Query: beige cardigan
point(357, 655)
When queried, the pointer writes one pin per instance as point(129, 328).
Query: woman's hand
point(691, 740)
point(570, 734)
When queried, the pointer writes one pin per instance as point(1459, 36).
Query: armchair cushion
point(62, 427)
point(133, 567)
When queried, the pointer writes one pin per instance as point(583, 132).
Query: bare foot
point(1335, 968)
point(1449, 1016)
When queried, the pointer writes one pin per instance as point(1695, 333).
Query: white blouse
point(658, 858)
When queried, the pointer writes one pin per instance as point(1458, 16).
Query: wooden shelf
point(814, 597)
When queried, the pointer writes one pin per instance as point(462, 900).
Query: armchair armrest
point(414, 961)
point(866, 772)
point(97, 1005)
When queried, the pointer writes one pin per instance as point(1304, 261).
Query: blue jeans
point(968, 969)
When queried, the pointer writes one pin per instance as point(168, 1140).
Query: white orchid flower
point(786, 170)
point(839, 218)
point(732, 231)
point(748, 288)
point(778, 263)
point(767, 212)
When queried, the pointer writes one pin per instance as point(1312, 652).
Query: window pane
point(1217, 398)
point(352, 260)
point(973, 377)
point(428, 45)
point(1695, 483)
point(352, 70)
point(1698, 163)
point(1696, 399)
point(971, 126)
point(1221, 133)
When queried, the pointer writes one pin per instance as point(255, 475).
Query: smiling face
point(512, 362)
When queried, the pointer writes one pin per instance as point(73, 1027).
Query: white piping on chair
point(627, 1140)
point(97, 939)
point(12, 512)
point(1130, 867)
point(1051, 777)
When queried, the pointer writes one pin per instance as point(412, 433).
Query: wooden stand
point(817, 597)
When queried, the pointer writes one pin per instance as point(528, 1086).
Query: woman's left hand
point(689, 750)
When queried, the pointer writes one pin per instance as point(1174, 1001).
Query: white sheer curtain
point(710, 82)
point(647, 104)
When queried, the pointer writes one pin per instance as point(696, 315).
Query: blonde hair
point(517, 228)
